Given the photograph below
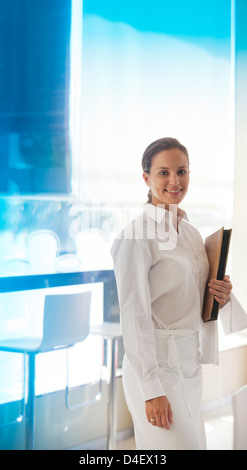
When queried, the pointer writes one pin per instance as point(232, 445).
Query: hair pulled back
point(165, 143)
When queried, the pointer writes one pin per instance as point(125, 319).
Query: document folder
point(217, 248)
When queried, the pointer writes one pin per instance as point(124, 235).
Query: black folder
point(217, 248)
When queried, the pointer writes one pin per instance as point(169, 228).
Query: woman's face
point(169, 177)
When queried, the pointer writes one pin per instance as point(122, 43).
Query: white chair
point(68, 263)
point(42, 249)
point(16, 267)
point(239, 401)
point(92, 250)
point(66, 322)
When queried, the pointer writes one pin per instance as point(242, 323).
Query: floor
point(219, 430)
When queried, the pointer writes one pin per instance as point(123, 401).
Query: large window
point(86, 86)
point(155, 69)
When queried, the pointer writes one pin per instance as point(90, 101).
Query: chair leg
point(111, 394)
point(30, 406)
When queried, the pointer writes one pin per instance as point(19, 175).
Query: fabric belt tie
point(173, 357)
point(174, 360)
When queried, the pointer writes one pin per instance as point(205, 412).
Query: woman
point(161, 270)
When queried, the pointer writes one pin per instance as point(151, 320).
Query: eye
point(164, 173)
point(182, 172)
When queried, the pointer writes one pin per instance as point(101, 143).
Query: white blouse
point(161, 276)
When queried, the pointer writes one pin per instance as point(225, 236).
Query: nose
point(174, 179)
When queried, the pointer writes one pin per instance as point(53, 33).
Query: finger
point(149, 417)
point(219, 300)
point(218, 293)
point(158, 421)
point(219, 287)
point(226, 279)
point(165, 420)
point(165, 423)
point(218, 283)
point(170, 414)
point(220, 297)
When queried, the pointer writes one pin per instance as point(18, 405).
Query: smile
point(173, 192)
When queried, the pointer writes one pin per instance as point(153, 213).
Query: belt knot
point(173, 357)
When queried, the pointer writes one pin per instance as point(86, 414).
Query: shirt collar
point(157, 212)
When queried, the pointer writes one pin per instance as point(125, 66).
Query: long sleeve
point(233, 317)
point(132, 262)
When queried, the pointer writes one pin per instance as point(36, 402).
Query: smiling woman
point(161, 291)
point(166, 171)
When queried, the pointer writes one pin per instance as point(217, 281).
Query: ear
point(146, 178)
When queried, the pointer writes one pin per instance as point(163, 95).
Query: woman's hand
point(159, 412)
point(221, 290)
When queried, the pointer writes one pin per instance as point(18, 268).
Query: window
point(34, 120)
point(154, 69)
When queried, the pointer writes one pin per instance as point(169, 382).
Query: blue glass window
point(34, 92)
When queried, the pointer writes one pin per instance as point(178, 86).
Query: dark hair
point(165, 143)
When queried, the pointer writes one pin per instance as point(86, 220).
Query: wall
point(239, 261)
point(225, 379)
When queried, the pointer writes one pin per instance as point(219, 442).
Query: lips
point(173, 192)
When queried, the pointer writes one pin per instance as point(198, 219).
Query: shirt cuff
point(233, 316)
point(152, 389)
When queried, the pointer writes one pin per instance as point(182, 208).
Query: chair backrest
point(42, 249)
point(66, 320)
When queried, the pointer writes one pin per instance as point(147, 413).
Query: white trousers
point(181, 374)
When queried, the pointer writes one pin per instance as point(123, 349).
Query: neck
point(177, 213)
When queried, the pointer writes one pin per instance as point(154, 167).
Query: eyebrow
point(167, 168)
